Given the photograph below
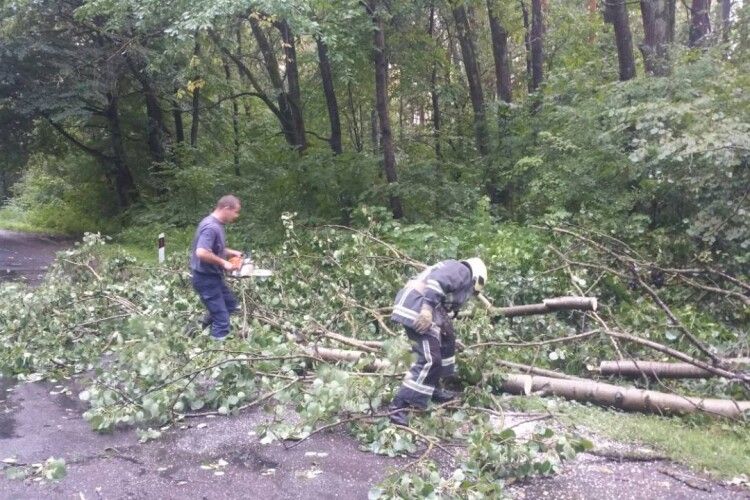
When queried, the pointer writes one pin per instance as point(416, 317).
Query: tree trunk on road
point(625, 398)
point(656, 369)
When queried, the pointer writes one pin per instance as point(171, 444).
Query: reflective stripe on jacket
point(447, 283)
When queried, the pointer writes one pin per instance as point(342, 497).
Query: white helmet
point(478, 272)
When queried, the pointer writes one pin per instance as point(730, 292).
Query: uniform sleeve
point(206, 239)
point(445, 279)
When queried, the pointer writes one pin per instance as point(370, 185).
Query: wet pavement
point(25, 257)
point(208, 458)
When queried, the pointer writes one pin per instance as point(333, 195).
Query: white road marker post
point(162, 251)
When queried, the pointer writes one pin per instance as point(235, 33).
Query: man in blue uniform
point(209, 258)
point(422, 306)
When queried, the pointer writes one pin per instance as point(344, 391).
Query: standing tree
point(700, 23)
point(473, 76)
point(380, 59)
point(332, 104)
point(536, 41)
point(616, 12)
point(658, 33)
point(500, 54)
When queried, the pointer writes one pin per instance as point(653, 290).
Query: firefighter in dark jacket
point(423, 306)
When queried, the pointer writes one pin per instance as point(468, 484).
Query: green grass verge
point(712, 445)
point(716, 446)
point(13, 220)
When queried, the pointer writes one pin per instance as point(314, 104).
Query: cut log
point(625, 398)
point(329, 354)
point(548, 306)
point(535, 370)
point(655, 369)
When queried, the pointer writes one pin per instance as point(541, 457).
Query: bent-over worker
point(422, 307)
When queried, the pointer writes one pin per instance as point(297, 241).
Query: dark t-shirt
point(209, 235)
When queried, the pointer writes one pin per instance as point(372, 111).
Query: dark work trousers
point(218, 299)
point(436, 358)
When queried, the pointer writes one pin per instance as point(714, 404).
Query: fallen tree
point(547, 306)
point(624, 398)
point(657, 369)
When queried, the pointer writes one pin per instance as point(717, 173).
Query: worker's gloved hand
point(424, 320)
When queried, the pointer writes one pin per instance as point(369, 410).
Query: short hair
point(228, 201)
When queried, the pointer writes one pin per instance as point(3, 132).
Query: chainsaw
point(247, 269)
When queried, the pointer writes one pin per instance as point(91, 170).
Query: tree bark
point(527, 42)
point(726, 21)
point(656, 369)
point(179, 127)
point(356, 124)
point(374, 133)
point(124, 184)
point(616, 12)
point(196, 90)
point(381, 99)
point(435, 98)
point(155, 127)
point(292, 78)
point(283, 99)
point(700, 24)
point(328, 354)
point(658, 33)
point(537, 47)
point(547, 306)
point(500, 54)
point(331, 103)
point(471, 66)
point(235, 116)
point(630, 399)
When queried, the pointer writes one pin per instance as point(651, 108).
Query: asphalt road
point(25, 257)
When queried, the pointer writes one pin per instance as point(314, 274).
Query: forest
point(581, 148)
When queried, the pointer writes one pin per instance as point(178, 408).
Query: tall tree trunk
point(537, 47)
point(726, 23)
point(179, 128)
point(292, 78)
point(272, 68)
point(433, 89)
point(331, 103)
point(124, 184)
point(468, 53)
point(616, 12)
point(196, 90)
point(527, 43)
point(356, 125)
point(374, 132)
point(500, 54)
point(156, 130)
point(700, 24)
point(235, 116)
point(381, 99)
point(658, 26)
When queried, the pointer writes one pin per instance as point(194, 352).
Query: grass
point(14, 220)
point(716, 446)
point(703, 443)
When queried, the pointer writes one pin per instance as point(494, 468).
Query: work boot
point(441, 395)
point(206, 321)
point(400, 412)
